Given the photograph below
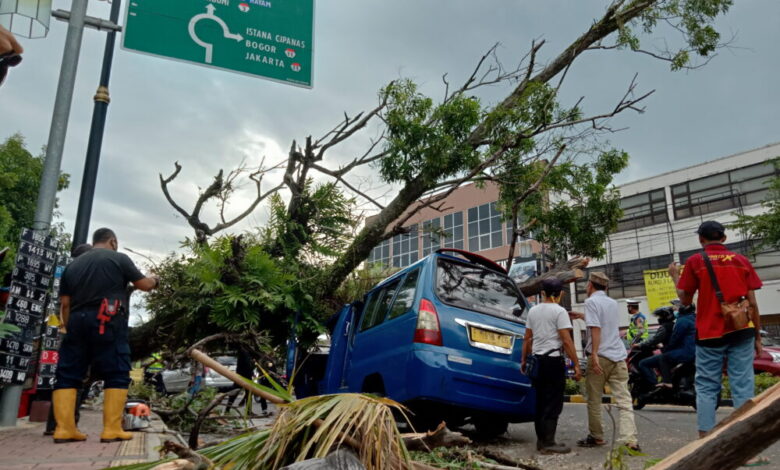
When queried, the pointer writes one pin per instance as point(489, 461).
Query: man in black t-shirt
point(94, 306)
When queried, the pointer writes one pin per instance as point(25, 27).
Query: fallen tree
point(742, 435)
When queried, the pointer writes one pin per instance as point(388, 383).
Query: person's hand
point(577, 374)
point(576, 315)
point(8, 43)
point(522, 367)
point(596, 367)
point(759, 347)
point(674, 271)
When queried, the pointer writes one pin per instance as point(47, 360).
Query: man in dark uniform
point(94, 300)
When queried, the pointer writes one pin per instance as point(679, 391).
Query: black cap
point(552, 285)
point(711, 230)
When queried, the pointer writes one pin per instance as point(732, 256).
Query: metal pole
point(92, 161)
point(9, 404)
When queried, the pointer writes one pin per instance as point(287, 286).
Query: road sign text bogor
point(266, 38)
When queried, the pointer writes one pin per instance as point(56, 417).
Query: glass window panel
point(458, 235)
point(473, 228)
point(473, 214)
point(495, 224)
point(714, 181)
point(680, 189)
point(484, 242)
point(474, 244)
point(766, 170)
point(404, 299)
point(484, 211)
point(496, 239)
point(484, 226)
point(459, 218)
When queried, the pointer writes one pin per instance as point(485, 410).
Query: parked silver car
point(179, 380)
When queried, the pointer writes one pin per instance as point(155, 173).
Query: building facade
point(662, 213)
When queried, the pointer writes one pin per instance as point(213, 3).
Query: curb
point(581, 399)
point(608, 399)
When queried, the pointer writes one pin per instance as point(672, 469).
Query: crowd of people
point(723, 327)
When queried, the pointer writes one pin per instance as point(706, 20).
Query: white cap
point(632, 302)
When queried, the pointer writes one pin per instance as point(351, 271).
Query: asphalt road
point(662, 430)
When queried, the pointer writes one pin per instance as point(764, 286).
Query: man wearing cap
point(715, 340)
point(606, 365)
point(636, 323)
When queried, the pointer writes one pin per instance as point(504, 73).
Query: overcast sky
point(163, 111)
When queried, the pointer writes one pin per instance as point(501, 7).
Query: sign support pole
point(11, 397)
point(102, 99)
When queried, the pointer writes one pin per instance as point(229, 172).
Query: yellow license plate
point(488, 337)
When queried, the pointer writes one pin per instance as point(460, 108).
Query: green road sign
point(266, 38)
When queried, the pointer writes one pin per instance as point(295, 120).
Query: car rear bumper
point(483, 384)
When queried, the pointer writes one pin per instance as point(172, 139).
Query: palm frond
point(313, 427)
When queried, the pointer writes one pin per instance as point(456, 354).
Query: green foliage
point(228, 285)
point(427, 141)
point(6, 329)
point(572, 387)
point(765, 227)
point(576, 207)
point(451, 458)
point(616, 458)
point(693, 19)
point(20, 175)
point(323, 229)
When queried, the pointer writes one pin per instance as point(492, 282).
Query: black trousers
point(83, 346)
point(550, 387)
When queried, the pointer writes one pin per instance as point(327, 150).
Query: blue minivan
point(442, 336)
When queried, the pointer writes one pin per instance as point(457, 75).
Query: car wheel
point(490, 427)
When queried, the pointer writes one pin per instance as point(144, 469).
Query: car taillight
point(428, 330)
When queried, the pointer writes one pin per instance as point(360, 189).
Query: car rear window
point(479, 289)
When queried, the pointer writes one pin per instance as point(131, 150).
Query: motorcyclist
point(682, 344)
point(660, 339)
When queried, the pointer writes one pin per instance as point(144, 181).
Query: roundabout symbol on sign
point(210, 16)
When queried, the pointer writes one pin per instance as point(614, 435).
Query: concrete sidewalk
point(24, 447)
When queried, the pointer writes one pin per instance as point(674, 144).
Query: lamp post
point(99, 113)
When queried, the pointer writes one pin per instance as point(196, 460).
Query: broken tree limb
point(570, 271)
point(504, 459)
point(193, 441)
point(204, 359)
point(748, 431)
point(439, 437)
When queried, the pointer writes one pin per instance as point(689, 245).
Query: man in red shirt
point(715, 341)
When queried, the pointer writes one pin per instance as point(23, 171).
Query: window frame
point(686, 203)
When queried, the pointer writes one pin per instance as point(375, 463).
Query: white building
point(662, 213)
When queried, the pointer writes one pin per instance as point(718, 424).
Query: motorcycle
point(682, 392)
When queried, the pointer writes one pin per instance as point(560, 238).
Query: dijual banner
point(659, 287)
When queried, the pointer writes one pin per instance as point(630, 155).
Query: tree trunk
point(744, 434)
point(569, 272)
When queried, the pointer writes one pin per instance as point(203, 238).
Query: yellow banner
point(659, 287)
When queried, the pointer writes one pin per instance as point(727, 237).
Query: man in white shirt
point(606, 365)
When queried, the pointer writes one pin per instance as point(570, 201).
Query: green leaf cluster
point(427, 141)
point(692, 18)
point(20, 175)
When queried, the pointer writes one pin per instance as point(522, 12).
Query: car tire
point(490, 427)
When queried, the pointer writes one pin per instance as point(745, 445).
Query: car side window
point(378, 305)
point(405, 297)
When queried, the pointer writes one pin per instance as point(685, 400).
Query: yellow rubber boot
point(64, 401)
point(113, 411)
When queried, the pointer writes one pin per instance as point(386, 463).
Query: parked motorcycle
point(682, 392)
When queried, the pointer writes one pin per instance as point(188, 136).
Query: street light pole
point(99, 113)
point(47, 194)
